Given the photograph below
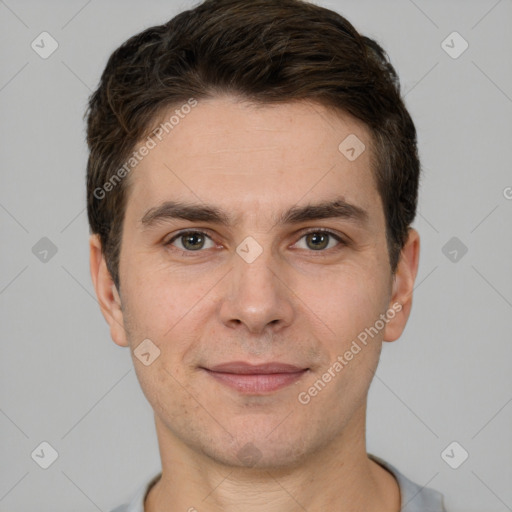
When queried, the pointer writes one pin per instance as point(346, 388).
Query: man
point(252, 179)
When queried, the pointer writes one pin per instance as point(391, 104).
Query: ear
point(403, 285)
point(106, 292)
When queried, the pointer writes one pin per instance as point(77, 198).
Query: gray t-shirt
point(414, 498)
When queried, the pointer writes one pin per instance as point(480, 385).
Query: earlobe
point(106, 292)
point(403, 286)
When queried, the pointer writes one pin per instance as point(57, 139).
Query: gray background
point(447, 379)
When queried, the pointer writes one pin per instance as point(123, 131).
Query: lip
point(256, 379)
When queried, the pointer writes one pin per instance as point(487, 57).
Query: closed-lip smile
point(256, 379)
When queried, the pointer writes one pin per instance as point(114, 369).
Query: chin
point(255, 448)
point(257, 456)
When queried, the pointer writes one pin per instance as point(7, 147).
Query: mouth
point(256, 379)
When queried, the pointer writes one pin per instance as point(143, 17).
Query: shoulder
point(136, 503)
point(414, 497)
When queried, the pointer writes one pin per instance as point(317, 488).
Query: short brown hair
point(266, 51)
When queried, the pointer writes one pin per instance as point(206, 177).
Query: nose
point(257, 297)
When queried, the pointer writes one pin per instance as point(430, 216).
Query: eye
point(318, 239)
point(191, 241)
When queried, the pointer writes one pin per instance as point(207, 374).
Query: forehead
point(254, 157)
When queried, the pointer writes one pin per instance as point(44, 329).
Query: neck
point(339, 477)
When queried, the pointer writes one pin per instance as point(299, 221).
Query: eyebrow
point(194, 212)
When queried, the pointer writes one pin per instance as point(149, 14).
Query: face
point(257, 305)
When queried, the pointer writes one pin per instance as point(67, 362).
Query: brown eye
point(317, 241)
point(190, 240)
point(320, 240)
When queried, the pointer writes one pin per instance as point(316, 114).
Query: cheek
point(170, 308)
point(160, 384)
point(156, 298)
point(347, 301)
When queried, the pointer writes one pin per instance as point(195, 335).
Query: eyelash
point(320, 252)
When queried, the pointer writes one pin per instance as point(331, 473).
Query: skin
point(291, 304)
